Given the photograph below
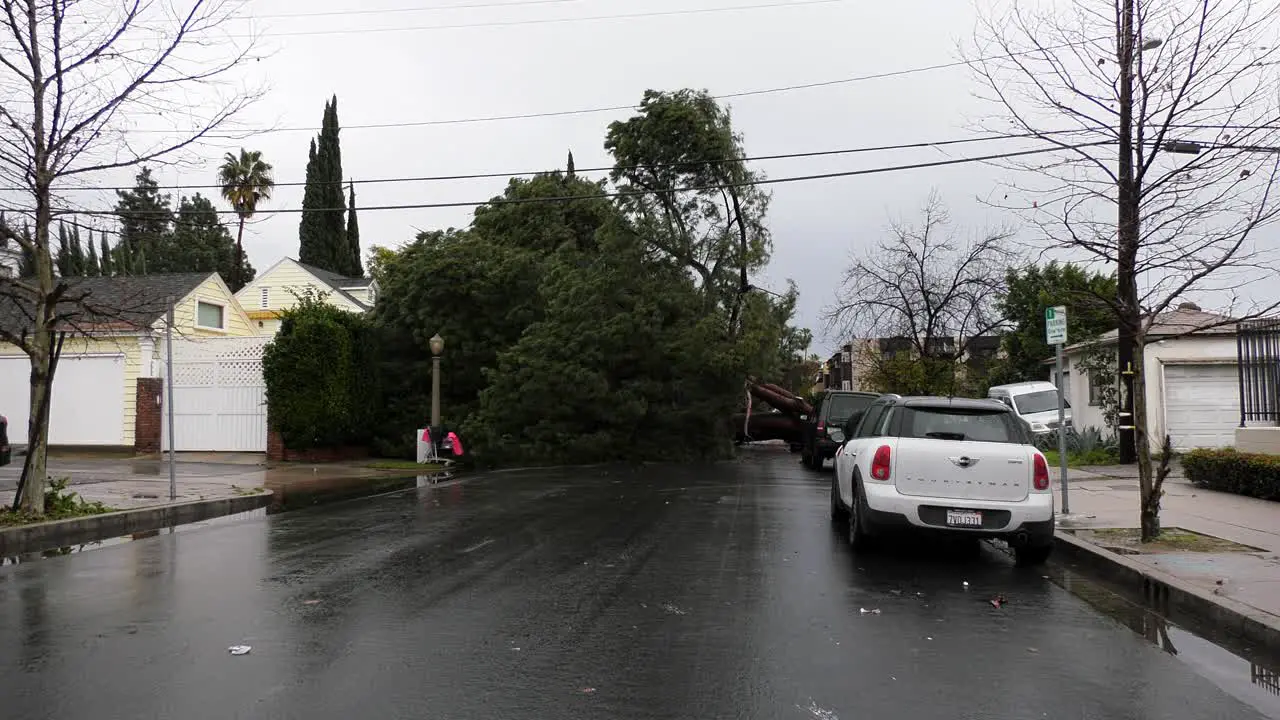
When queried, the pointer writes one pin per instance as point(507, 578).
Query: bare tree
point(927, 287)
point(1166, 113)
point(86, 87)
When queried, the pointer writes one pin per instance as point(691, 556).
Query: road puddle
point(1248, 673)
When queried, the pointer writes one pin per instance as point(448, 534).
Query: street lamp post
point(437, 347)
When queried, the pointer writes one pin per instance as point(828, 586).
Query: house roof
point(339, 283)
point(106, 303)
point(1186, 319)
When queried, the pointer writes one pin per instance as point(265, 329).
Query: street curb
point(92, 528)
point(1169, 595)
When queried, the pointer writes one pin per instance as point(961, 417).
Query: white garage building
point(1193, 386)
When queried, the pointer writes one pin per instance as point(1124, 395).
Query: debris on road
point(820, 712)
point(876, 611)
point(998, 601)
point(587, 690)
point(672, 609)
point(239, 649)
point(965, 583)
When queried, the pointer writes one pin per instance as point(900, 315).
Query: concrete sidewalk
point(1112, 500)
point(127, 483)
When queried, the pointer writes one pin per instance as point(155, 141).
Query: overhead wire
point(636, 193)
point(608, 168)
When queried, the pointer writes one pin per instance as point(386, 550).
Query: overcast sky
point(403, 67)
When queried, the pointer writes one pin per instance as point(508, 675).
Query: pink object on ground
point(457, 444)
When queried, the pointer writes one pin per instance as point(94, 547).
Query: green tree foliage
point(1088, 296)
point(200, 242)
point(93, 266)
point(104, 257)
point(245, 180)
point(624, 365)
point(570, 333)
point(146, 221)
point(320, 388)
point(355, 268)
point(322, 232)
point(682, 140)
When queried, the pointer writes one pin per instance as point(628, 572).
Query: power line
point(391, 11)
point(637, 193)
point(610, 168)
point(548, 21)
point(615, 108)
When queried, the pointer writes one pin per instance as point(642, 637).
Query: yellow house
point(279, 287)
point(115, 334)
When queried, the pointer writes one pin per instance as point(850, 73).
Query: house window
point(209, 315)
point(1097, 385)
point(266, 297)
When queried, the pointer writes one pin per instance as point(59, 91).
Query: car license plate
point(964, 518)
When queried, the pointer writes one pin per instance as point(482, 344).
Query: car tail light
point(880, 463)
point(1041, 472)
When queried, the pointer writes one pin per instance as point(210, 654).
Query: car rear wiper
point(945, 435)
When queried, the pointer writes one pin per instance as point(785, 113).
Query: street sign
point(1055, 325)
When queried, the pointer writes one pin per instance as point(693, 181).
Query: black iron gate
point(1258, 352)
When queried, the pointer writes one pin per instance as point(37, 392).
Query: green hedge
point(1251, 474)
point(321, 389)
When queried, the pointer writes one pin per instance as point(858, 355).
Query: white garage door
point(1202, 405)
point(88, 399)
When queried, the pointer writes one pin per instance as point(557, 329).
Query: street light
point(437, 347)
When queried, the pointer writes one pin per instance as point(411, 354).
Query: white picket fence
point(219, 396)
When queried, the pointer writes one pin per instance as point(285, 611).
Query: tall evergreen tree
point(28, 267)
point(322, 240)
point(570, 171)
point(354, 266)
point(201, 243)
point(104, 258)
point(146, 219)
point(79, 265)
point(63, 260)
point(92, 267)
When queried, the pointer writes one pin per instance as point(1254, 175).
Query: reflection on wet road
point(665, 592)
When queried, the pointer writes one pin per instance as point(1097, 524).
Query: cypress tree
point(355, 267)
point(63, 259)
point(92, 268)
point(105, 258)
point(322, 234)
point(79, 266)
point(570, 170)
point(28, 267)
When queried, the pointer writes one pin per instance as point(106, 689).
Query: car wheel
point(859, 538)
point(839, 513)
point(1032, 555)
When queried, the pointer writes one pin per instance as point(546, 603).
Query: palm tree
point(245, 180)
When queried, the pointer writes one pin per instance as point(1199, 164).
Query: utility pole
point(1127, 239)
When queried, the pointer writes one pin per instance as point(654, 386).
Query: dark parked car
point(6, 452)
point(824, 430)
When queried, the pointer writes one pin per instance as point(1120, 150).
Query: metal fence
point(1258, 353)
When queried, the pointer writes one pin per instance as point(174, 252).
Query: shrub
point(320, 389)
point(1250, 474)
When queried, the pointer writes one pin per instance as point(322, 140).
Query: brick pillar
point(147, 429)
point(275, 445)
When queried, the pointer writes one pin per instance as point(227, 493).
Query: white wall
point(1188, 350)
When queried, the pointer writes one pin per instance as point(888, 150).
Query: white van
point(1035, 402)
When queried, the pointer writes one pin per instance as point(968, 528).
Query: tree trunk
point(1149, 493)
point(238, 280)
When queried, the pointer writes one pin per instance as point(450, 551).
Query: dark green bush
point(1251, 474)
point(321, 390)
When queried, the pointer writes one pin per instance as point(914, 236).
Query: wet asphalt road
point(713, 592)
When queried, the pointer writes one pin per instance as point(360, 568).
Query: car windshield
point(842, 407)
point(1037, 402)
point(959, 424)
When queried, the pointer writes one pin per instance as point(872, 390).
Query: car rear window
point(960, 424)
point(842, 407)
